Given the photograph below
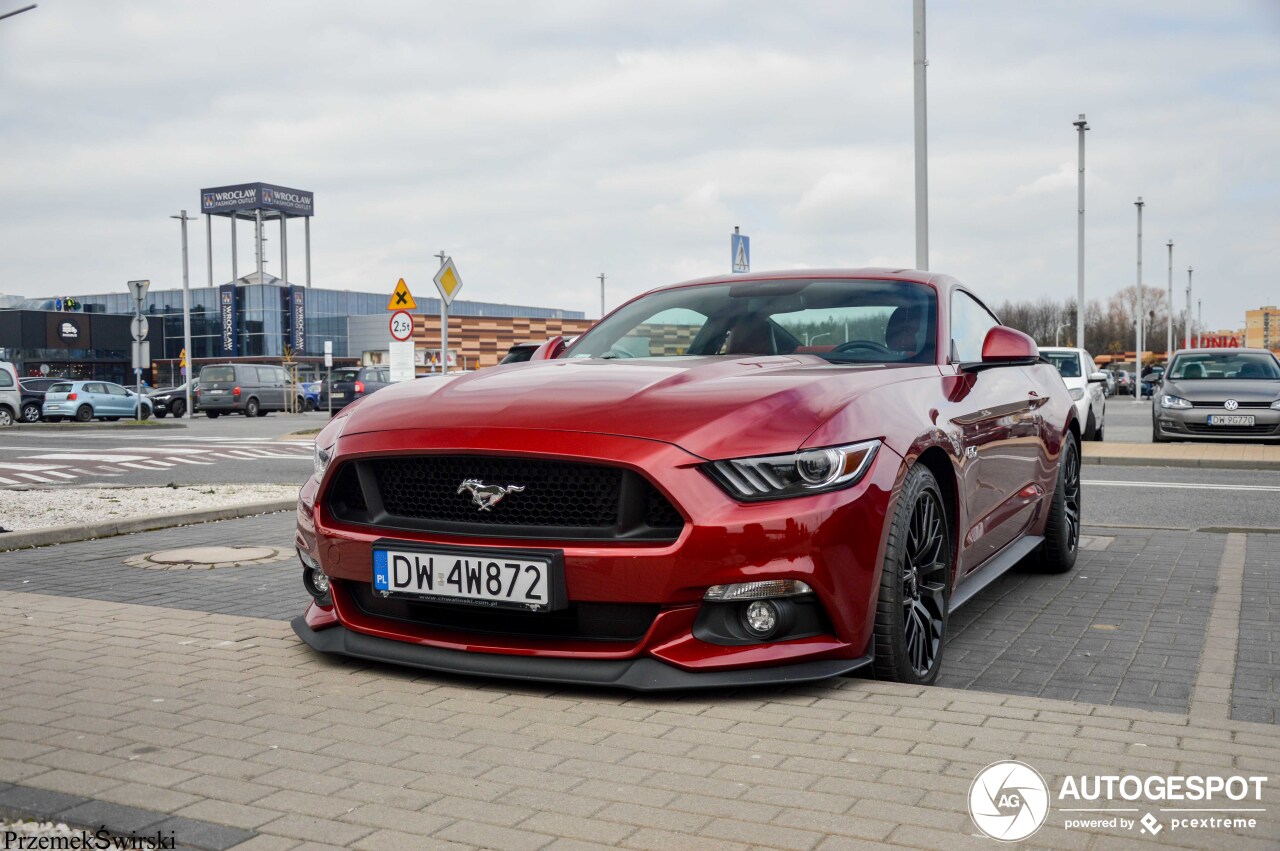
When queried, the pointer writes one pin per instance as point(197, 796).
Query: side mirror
point(1098, 378)
point(550, 350)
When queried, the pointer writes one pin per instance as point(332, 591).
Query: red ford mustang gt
point(772, 477)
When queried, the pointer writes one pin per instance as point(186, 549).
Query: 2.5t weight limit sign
point(401, 326)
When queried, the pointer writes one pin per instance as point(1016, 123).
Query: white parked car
point(10, 395)
point(1085, 382)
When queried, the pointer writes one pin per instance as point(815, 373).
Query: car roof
point(1062, 349)
point(1223, 350)
point(882, 273)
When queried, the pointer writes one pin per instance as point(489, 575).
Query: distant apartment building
point(1262, 328)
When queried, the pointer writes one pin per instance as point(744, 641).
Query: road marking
point(61, 475)
point(33, 477)
point(4, 481)
point(190, 461)
point(13, 465)
point(1182, 485)
point(76, 456)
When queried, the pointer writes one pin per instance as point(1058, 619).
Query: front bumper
point(636, 674)
point(1193, 424)
point(834, 542)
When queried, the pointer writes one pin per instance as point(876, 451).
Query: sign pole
point(444, 322)
point(186, 298)
point(138, 289)
point(328, 372)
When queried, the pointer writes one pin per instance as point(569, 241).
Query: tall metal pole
point(1199, 321)
point(235, 267)
point(1081, 125)
point(257, 241)
point(1186, 326)
point(306, 232)
point(922, 146)
point(444, 322)
point(186, 308)
point(208, 244)
point(1168, 344)
point(602, 295)
point(1137, 357)
point(284, 249)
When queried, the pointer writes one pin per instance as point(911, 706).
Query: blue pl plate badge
point(381, 580)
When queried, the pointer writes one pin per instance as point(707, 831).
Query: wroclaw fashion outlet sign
point(245, 197)
point(1010, 801)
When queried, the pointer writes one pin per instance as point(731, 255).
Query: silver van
point(10, 395)
point(254, 390)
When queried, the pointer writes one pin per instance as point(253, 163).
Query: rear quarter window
point(218, 373)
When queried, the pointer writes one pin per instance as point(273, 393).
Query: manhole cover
point(208, 558)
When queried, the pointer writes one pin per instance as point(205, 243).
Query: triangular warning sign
point(402, 299)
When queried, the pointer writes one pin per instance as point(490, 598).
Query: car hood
point(1221, 389)
point(714, 407)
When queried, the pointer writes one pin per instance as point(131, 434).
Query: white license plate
point(217, 392)
point(1230, 420)
point(494, 579)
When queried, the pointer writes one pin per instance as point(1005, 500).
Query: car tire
point(213, 415)
point(915, 584)
point(177, 408)
point(1057, 554)
point(6, 417)
point(310, 405)
point(251, 408)
point(1090, 429)
point(300, 405)
point(146, 412)
point(84, 413)
point(160, 415)
point(31, 412)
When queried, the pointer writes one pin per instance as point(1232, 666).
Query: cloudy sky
point(542, 143)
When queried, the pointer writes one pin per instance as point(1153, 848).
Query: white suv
point(10, 395)
point(1086, 384)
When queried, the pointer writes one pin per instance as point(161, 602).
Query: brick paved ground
point(199, 711)
point(230, 723)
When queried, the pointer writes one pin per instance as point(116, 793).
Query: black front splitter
point(642, 674)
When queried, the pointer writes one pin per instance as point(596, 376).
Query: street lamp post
point(186, 310)
point(1058, 331)
point(1081, 125)
point(602, 295)
point(1137, 355)
point(922, 145)
point(1186, 327)
point(1168, 343)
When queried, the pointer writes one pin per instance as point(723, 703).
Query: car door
point(996, 417)
point(271, 388)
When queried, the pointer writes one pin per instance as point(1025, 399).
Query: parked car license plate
point(486, 578)
point(1230, 420)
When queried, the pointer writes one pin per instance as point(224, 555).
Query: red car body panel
point(998, 431)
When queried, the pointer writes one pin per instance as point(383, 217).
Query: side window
point(384, 375)
point(970, 322)
point(266, 376)
point(116, 390)
point(94, 387)
point(6, 379)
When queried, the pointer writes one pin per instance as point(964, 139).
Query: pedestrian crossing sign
point(740, 252)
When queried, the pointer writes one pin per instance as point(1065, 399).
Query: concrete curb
point(1201, 463)
point(110, 528)
point(152, 424)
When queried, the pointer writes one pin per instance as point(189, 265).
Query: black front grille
point(545, 499)
point(1253, 430)
point(585, 621)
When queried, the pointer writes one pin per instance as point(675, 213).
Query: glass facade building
point(263, 317)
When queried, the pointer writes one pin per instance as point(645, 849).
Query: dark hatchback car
point(1218, 394)
point(33, 390)
point(173, 400)
point(351, 383)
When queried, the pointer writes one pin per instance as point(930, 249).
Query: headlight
point(1077, 393)
point(1174, 402)
point(797, 474)
point(326, 441)
point(1275, 406)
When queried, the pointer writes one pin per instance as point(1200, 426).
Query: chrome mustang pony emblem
point(487, 496)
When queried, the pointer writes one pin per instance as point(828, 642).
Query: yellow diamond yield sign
point(402, 299)
point(448, 281)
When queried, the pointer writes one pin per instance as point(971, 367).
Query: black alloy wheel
point(31, 412)
point(84, 413)
point(1057, 554)
point(177, 407)
point(915, 587)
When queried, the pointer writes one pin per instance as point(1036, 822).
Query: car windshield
point(842, 321)
point(1067, 363)
point(1222, 365)
point(218, 373)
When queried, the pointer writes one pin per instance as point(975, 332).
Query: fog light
point(320, 581)
point(761, 618)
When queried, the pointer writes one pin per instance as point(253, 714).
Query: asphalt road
point(258, 451)
point(230, 449)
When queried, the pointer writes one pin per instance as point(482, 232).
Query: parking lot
point(197, 711)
